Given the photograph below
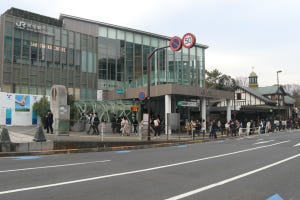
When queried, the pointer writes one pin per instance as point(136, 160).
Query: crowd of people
point(124, 126)
point(237, 127)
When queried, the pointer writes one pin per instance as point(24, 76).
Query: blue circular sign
point(175, 43)
point(142, 96)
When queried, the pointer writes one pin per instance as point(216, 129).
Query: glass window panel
point(42, 51)
point(129, 36)
point(34, 53)
point(56, 55)
point(111, 69)
point(18, 33)
point(8, 28)
point(71, 56)
point(77, 58)
point(8, 49)
point(49, 39)
point(34, 37)
point(57, 36)
point(154, 42)
point(26, 47)
point(50, 30)
point(137, 38)
point(90, 62)
point(64, 39)
point(26, 35)
point(71, 39)
point(63, 55)
point(112, 33)
point(83, 61)
point(17, 50)
point(103, 31)
point(49, 52)
point(102, 68)
point(163, 43)
point(120, 35)
point(84, 41)
point(146, 40)
point(77, 41)
point(138, 63)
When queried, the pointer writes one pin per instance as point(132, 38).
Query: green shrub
point(41, 107)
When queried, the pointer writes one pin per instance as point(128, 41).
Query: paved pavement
point(23, 143)
point(25, 134)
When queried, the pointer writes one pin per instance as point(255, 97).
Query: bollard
point(39, 135)
point(140, 132)
point(5, 139)
point(102, 134)
point(5, 135)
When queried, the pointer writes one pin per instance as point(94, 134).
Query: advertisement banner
point(22, 103)
point(16, 109)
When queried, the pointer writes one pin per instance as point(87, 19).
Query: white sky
point(241, 34)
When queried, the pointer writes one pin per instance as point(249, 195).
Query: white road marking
point(52, 166)
point(136, 171)
point(297, 145)
point(263, 142)
point(231, 179)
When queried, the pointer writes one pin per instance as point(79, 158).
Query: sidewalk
point(25, 134)
point(22, 142)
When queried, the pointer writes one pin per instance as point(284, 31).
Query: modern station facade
point(97, 60)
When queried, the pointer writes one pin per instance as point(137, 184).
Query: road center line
point(231, 179)
point(136, 171)
point(53, 166)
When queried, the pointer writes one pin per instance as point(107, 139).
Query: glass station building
point(95, 60)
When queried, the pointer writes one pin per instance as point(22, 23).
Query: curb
point(99, 149)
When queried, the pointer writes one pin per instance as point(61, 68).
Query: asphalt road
point(260, 167)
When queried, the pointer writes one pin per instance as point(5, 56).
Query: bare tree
point(242, 81)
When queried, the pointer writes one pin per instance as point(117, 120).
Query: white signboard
point(16, 109)
point(188, 103)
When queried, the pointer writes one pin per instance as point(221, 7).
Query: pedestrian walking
point(96, 123)
point(156, 127)
point(135, 125)
point(113, 123)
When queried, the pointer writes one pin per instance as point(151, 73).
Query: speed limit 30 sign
point(188, 40)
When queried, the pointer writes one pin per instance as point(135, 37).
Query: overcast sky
point(242, 35)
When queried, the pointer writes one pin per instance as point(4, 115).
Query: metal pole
point(148, 85)
point(278, 87)
point(148, 93)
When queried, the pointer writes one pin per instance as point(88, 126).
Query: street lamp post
point(148, 85)
point(279, 71)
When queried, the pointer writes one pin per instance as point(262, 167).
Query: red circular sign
point(188, 40)
point(175, 43)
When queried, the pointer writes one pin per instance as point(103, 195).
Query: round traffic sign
point(188, 40)
point(142, 96)
point(175, 43)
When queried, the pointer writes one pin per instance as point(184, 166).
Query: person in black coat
point(49, 121)
point(96, 122)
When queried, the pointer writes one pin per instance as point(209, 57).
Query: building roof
point(267, 90)
point(33, 16)
point(256, 93)
point(260, 93)
point(289, 100)
point(252, 74)
point(62, 16)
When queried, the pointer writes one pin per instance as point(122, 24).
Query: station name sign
point(31, 27)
